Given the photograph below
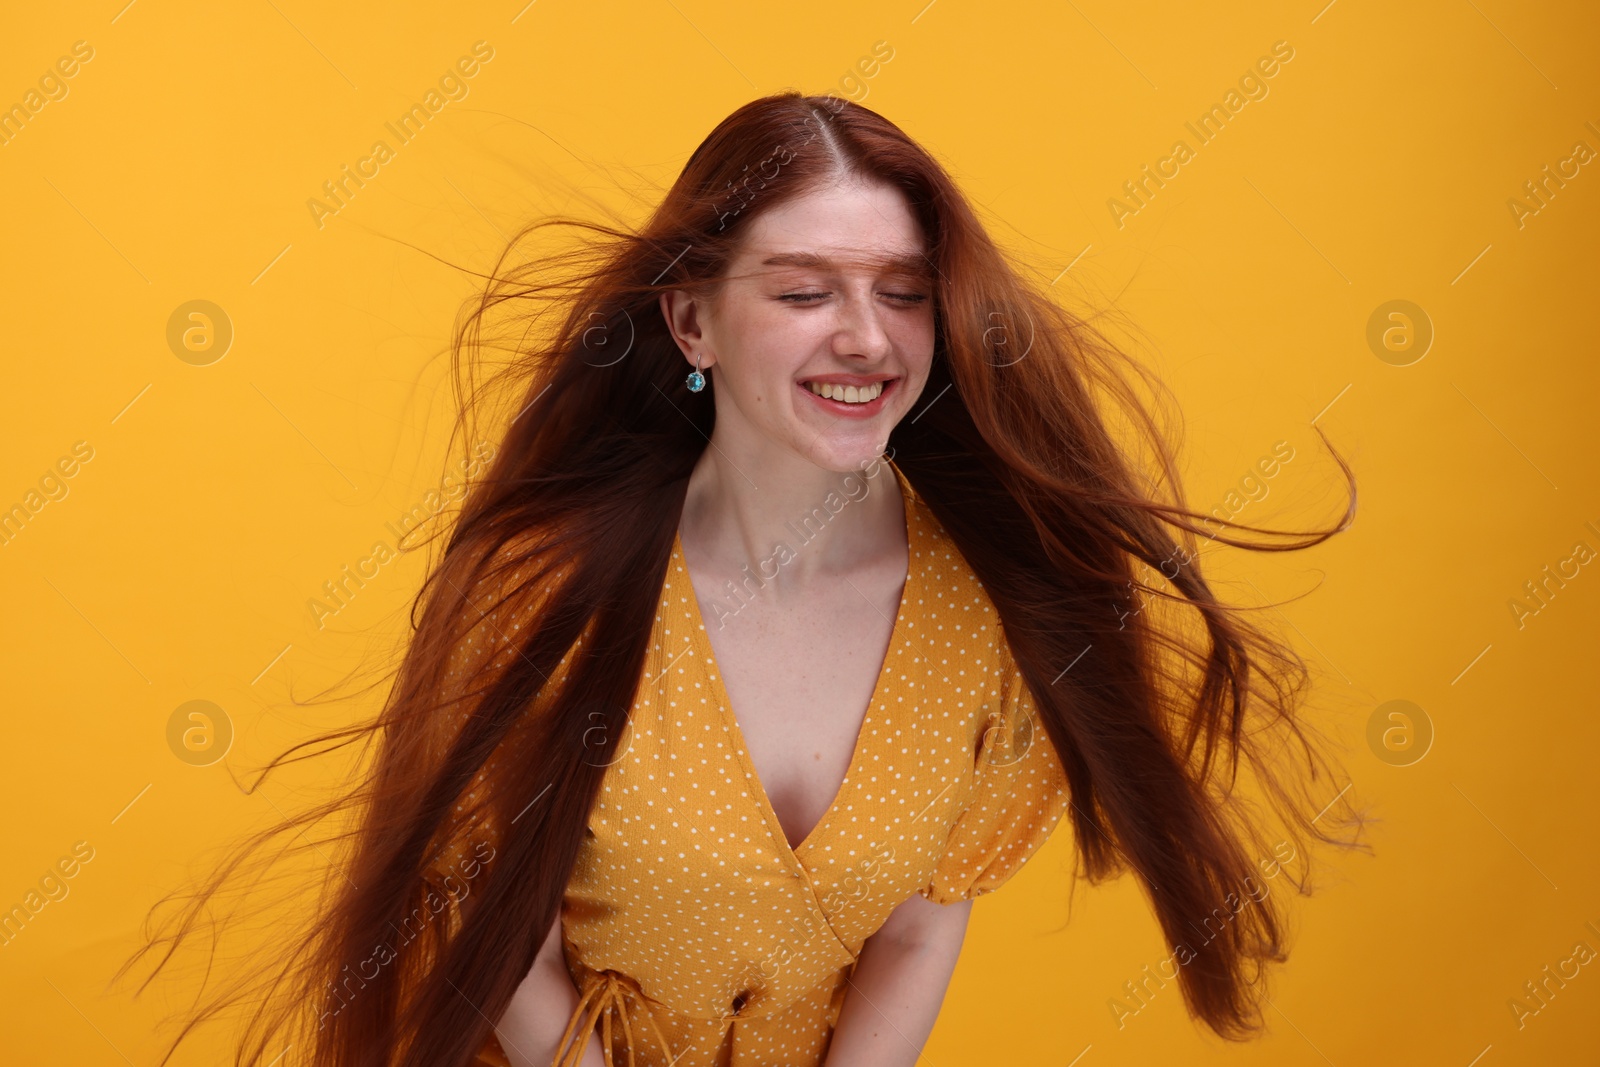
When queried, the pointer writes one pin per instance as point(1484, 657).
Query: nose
point(860, 331)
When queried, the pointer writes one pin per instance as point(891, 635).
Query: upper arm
point(550, 950)
point(920, 921)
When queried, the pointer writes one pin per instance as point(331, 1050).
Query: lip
point(851, 411)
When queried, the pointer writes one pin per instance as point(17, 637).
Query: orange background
point(177, 562)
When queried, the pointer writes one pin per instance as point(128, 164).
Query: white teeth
point(848, 394)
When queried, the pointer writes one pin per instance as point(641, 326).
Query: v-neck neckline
point(869, 721)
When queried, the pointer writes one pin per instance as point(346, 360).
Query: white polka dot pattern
point(739, 946)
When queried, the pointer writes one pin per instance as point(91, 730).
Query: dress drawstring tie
point(601, 994)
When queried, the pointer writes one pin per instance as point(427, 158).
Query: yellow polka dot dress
point(695, 934)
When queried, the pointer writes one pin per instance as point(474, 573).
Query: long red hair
point(559, 551)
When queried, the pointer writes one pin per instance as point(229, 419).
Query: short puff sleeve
point(1018, 797)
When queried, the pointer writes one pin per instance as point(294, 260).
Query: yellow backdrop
point(223, 389)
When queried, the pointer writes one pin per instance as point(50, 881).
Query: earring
point(697, 381)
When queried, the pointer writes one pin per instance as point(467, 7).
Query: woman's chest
point(798, 682)
point(682, 825)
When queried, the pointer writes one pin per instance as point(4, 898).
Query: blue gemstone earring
point(697, 381)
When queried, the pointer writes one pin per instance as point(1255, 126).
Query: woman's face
point(820, 341)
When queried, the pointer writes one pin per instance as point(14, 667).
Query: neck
point(781, 513)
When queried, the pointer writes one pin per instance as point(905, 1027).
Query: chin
point(849, 454)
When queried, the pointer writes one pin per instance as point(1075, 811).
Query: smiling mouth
point(848, 394)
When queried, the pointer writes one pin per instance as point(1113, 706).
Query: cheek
point(761, 361)
point(915, 343)
point(773, 350)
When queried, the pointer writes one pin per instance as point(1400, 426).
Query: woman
point(796, 612)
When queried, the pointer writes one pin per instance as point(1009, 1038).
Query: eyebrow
point(902, 262)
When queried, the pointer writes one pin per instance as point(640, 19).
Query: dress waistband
point(605, 989)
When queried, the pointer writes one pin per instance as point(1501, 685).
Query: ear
point(683, 316)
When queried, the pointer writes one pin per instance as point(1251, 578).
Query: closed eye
point(909, 299)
